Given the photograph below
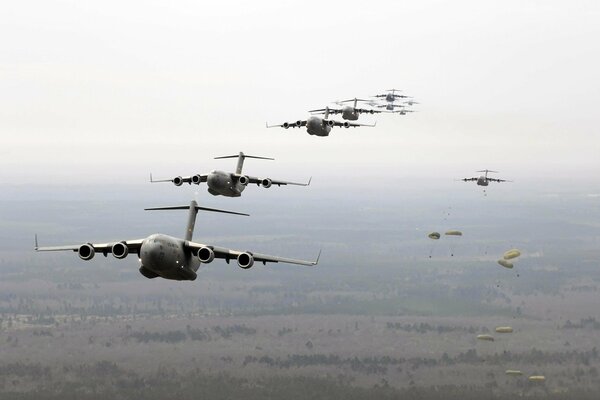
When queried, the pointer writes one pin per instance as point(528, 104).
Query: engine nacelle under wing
point(245, 260)
point(266, 183)
point(244, 180)
point(86, 252)
point(120, 250)
point(196, 179)
point(178, 181)
point(206, 255)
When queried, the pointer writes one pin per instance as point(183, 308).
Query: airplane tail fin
point(241, 156)
point(194, 208)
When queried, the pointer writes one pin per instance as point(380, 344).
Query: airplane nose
point(150, 253)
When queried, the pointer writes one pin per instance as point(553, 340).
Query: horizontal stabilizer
point(245, 156)
point(195, 206)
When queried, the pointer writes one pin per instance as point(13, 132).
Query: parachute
point(513, 253)
point(488, 338)
point(505, 263)
point(453, 233)
point(434, 235)
point(537, 378)
point(513, 372)
point(504, 329)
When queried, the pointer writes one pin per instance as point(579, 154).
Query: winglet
point(36, 243)
point(318, 257)
point(309, 180)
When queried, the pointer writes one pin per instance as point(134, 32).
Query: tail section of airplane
point(194, 208)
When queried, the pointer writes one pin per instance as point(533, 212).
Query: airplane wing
point(179, 180)
point(228, 254)
point(469, 179)
point(497, 180)
point(365, 111)
point(347, 124)
point(267, 182)
point(297, 124)
point(105, 248)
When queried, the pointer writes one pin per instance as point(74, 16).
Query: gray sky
point(112, 90)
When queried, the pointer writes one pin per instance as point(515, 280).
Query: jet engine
point(245, 260)
point(331, 123)
point(120, 250)
point(286, 125)
point(178, 181)
point(196, 179)
point(266, 183)
point(86, 251)
point(243, 180)
point(346, 125)
point(206, 255)
point(298, 123)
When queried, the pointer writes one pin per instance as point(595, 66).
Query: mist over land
point(378, 314)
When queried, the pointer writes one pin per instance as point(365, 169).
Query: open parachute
point(510, 254)
point(453, 233)
point(505, 264)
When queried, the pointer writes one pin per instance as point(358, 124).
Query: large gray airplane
point(394, 108)
point(392, 95)
point(229, 184)
point(484, 180)
point(170, 257)
point(350, 113)
point(318, 126)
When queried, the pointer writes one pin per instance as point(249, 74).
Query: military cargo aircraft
point(170, 257)
point(318, 126)
point(484, 180)
point(229, 184)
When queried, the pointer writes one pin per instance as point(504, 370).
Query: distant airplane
point(484, 180)
point(173, 258)
point(350, 113)
point(392, 96)
point(318, 126)
point(227, 183)
point(393, 108)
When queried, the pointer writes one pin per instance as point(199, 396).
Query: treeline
point(589, 323)
point(190, 333)
point(165, 385)
point(380, 365)
point(424, 327)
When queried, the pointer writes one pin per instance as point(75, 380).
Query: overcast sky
point(113, 90)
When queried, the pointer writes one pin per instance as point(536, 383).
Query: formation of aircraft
point(229, 184)
point(350, 113)
point(174, 258)
point(393, 102)
point(484, 180)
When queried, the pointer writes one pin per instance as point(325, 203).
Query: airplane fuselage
point(222, 183)
point(349, 113)
point(317, 126)
point(482, 181)
point(166, 257)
